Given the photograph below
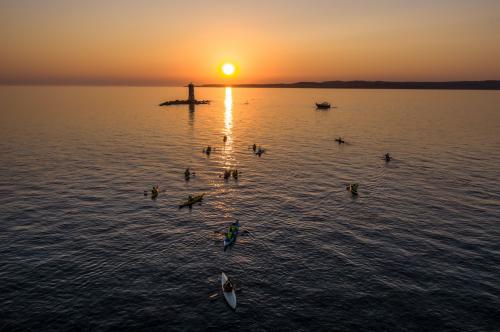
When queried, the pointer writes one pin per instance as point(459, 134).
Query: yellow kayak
point(192, 201)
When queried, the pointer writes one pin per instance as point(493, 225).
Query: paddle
point(215, 296)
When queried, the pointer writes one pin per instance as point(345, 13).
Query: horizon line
point(341, 84)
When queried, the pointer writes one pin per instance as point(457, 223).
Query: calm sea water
point(81, 248)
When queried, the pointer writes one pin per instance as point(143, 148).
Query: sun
point(228, 69)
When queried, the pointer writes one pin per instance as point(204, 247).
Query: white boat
point(229, 296)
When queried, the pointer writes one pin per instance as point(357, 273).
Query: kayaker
point(387, 157)
point(228, 286)
point(235, 174)
point(353, 188)
point(187, 173)
point(254, 147)
point(225, 138)
point(233, 228)
point(227, 174)
point(154, 192)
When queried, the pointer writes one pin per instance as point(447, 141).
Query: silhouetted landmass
point(452, 85)
point(184, 102)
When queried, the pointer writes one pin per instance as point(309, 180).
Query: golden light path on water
point(228, 127)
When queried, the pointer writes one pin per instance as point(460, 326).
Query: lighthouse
point(190, 101)
point(191, 93)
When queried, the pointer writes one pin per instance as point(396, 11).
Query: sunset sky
point(174, 42)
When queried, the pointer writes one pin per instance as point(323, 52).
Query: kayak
point(353, 188)
point(194, 200)
point(229, 296)
point(228, 242)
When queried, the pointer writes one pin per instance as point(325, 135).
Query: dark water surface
point(81, 248)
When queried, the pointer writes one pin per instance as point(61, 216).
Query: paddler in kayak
point(154, 191)
point(339, 140)
point(191, 200)
point(259, 151)
point(227, 174)
point(229, 235)
point(224, 139)
point(235, 174)
point(387, 157)
point(208, 150)
point(254, 147)
point(187, 174)
point(233, 228)
point(228, 286)
point(353, 188)
point(232, 231)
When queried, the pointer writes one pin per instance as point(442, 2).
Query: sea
point(83, 249)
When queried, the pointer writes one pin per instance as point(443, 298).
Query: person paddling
point(154, 192)
point(228, 286)
point(353, 188)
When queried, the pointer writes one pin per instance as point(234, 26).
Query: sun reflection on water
point(228, 103)
point(228, 126)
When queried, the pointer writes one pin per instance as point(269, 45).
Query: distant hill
point(452, 85)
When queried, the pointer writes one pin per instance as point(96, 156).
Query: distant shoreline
point(447, 85)
point(451, 85)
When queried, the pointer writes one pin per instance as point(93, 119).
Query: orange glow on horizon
point(90, 42)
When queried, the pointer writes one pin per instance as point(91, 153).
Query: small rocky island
point(190, 101)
